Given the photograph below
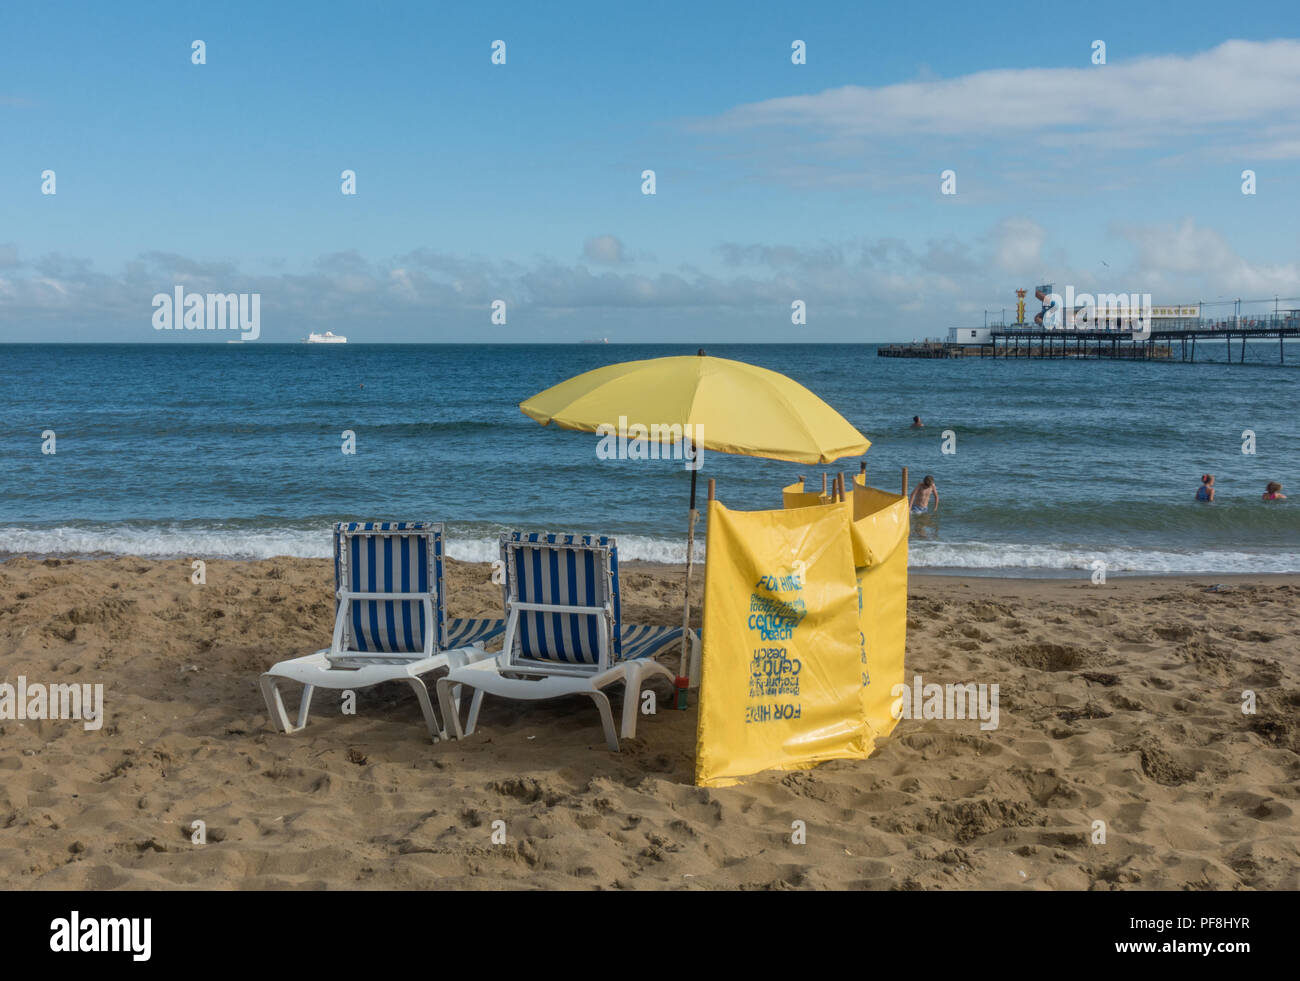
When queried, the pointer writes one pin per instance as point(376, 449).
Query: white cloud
point(1184, 255)
point(605, 249)
point(1238, 89)
point(1018, 245)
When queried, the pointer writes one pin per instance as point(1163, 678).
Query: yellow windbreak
point(792, 676)
point(795, 496)
point(780, 686)
point(880, 530)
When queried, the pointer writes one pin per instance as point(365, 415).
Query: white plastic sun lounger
point(390, 622)
point(564, 634)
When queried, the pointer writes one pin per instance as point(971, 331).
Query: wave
point(635, 548)
point(479, 544)
point(176, 542)
point(1035, 560)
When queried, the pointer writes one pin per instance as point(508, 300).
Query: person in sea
point(917, 423)
point(1206, 491)
point(921, 496)
point(1273, 492)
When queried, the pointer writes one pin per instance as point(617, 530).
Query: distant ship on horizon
point(597, 340)
point(329, 337)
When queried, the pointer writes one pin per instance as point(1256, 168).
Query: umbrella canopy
point(736, 407)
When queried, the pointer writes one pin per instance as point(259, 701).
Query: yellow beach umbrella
point(736, 407)
point(711, 403)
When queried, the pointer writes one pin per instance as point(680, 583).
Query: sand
point(1120, 703)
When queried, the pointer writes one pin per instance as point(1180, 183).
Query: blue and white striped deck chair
point(564, 633)
point(390, 620)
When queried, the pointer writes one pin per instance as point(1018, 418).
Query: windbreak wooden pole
point(683, 681)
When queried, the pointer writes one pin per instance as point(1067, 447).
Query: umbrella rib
point(791, 413)
point(802, 424)
point(690, 409)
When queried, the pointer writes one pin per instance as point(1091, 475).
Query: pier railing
point(1172, 340)
point(1287, 320)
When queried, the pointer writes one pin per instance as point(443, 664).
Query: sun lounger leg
point(631, 700)
point(637, 673)
point(475, 704)
point(450, 709)
point(275, 704)
point(606, 717)
point(426, 706)
point(455, 703)
point(305, 705)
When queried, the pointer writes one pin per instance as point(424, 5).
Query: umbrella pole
point(683, 681)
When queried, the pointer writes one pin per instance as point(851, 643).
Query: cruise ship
point(329, 337)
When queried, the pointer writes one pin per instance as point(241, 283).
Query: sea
point(1044, 468)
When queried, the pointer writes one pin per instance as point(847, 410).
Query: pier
point(1258, 340)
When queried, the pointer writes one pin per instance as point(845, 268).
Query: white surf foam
point(218, 542)
point(1030, 559)
point(166, 543)
point(178, 542)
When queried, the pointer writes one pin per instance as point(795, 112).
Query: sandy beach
point(1120, 703)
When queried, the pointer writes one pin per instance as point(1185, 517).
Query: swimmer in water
point(1206, 491)
point(921, 496)
point(1273, 492)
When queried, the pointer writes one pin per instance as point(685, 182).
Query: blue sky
point(521, 182)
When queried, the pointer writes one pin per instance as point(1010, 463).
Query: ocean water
point(226, 450)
